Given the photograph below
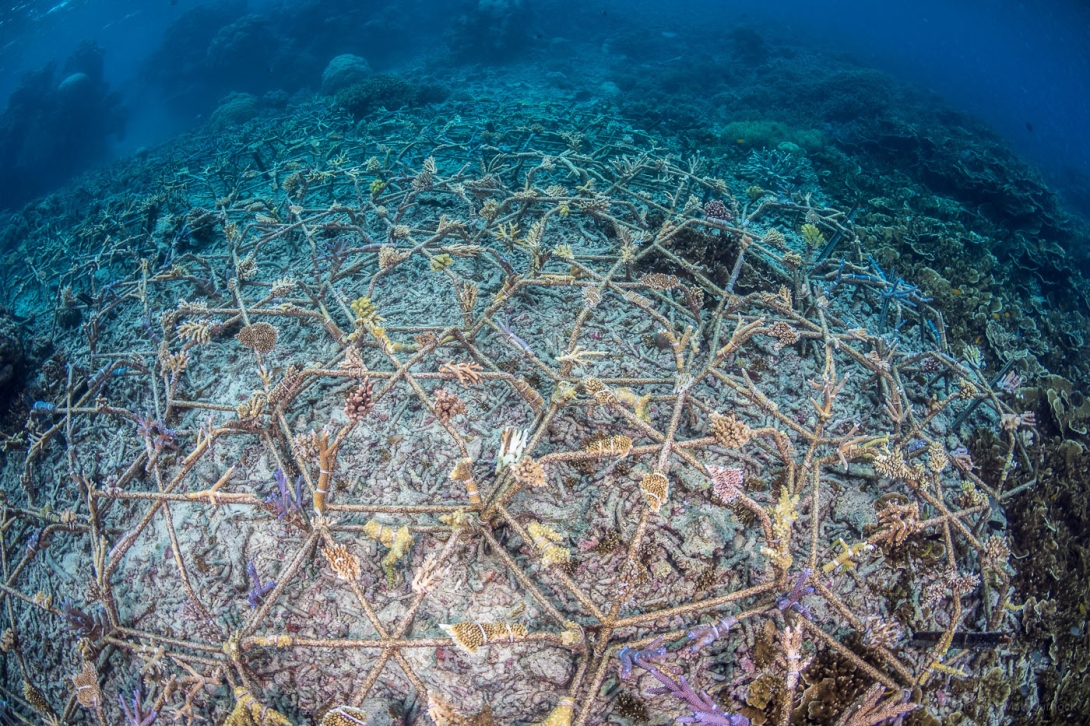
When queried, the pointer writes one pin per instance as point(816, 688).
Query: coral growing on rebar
point(576, 438)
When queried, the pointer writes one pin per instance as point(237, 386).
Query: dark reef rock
point(343, 71)
point(11, 349)
point(55, 126)
point(390, 92)
point(236, 109)
point(244, 51)
point(12, 360)
point(492, 31)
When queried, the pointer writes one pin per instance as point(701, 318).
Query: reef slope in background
point(505, 410)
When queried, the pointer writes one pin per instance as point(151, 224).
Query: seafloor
point(507, 410)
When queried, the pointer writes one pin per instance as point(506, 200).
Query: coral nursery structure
point(545, 424)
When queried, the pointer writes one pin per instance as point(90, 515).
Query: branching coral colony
point(541, 442)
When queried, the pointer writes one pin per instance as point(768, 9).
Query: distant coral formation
point(56, 124)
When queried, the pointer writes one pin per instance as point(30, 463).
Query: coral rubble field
point(470, 415)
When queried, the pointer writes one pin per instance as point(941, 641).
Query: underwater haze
point(1021, 68)
point(544, 363)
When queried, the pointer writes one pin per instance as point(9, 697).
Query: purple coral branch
point(505, 326)
point(704, 635)
point(284, 503)
point(155, 433)
point(258, 591)
point(630, 657)
point(800, 590)
point(703, 707)
point(137, 716)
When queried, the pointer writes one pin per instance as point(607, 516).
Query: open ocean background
point(1022, 68)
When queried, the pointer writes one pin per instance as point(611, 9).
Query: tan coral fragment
point(470, 636)
point(545, 539)
point(343, 563)
point(529, 472)
point(656, 488)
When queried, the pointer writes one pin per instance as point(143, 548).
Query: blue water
point(1021, 68)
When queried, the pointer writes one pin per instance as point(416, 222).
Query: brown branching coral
point(466, 373)
point(730, 432)
point(470, 636)
point(529, 472)
point(9, 641)
point(726, 482)
point(656, 488)
point(37, 700)
point(360, 401)
point(447, 405)
point(609, 446)
point(784, 333)
point(869, 711)
point(881, 632)
point(660, 281)
point(898, 521)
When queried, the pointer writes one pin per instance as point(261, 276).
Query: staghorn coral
point(529, 472)
point(398, 540)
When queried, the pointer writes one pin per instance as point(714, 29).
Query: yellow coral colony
point(545, 539)
point(812, 235)
point(784, 515)
point(561, 715)
point(641, 405)
point(248, 711)
point(656, 488)
point(398, 540)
